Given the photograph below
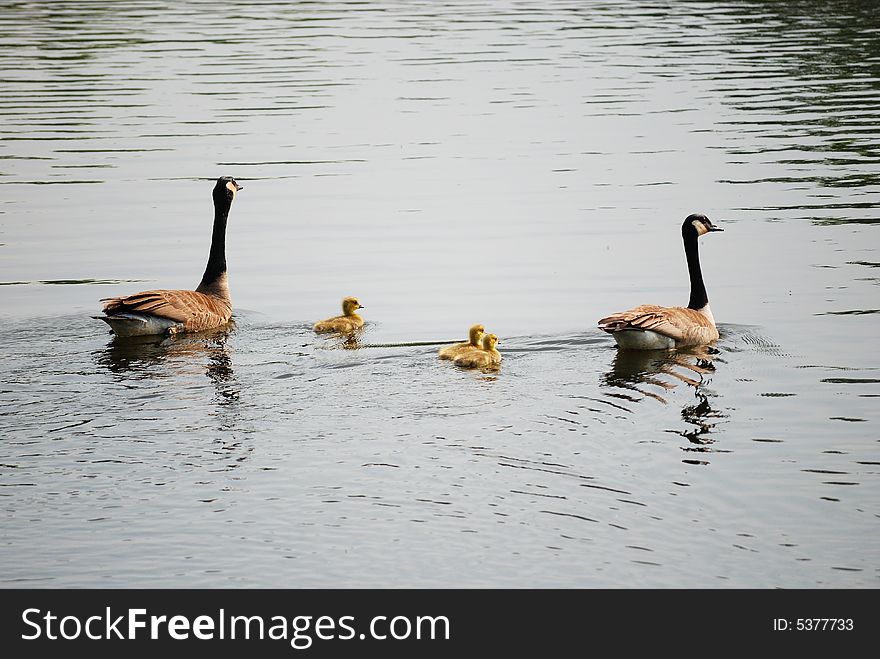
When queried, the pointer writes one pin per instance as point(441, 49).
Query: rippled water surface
point(522, 166)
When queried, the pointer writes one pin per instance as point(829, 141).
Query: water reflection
point(642, 371)
point(631, 369)
point(351, 341)
point(701, 418)
point(141, 356)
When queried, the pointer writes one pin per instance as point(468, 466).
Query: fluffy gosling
point(485, 357)
point(474, 342)
point(347, 323)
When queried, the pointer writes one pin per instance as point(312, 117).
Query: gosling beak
point(360, 306)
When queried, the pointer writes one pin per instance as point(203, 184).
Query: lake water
point(526, 167)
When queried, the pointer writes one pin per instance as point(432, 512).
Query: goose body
point(170, 311)
point(486, 356)
point(474, 342)
point(652, 327)
point(347, 323)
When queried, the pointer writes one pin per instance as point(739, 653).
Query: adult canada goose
point(485, 357)
point(651, 327)
point(172, 311)
point(348, 322)
point(474, 342)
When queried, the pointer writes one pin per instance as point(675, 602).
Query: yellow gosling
point(474, 342)
point(347, 323)
point(485, 357)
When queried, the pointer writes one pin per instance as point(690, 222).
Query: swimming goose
point(651, 327)
point(172, 311)
point(475, 339)
point(484, 357)
point(348, 322)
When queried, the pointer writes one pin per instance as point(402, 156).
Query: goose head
point(698, 224)
point(489, 341)
point(475, 335)
point(226, 188)
point(350, 305)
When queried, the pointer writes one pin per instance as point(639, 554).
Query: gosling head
point(698, 223)
point(350, 305)
point(475, 334)
point(489, 341)
point(226, 188)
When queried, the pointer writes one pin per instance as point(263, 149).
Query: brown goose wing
point(678, 323)
point(196, 311)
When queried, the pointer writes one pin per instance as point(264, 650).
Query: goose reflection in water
point(140, 355)
point(637, 372)
point(703, 418)
point(162, 368)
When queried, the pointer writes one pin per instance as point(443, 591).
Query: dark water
point(502, 163)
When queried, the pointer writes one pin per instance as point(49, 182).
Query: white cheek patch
point(231, 186)
point(700, 227)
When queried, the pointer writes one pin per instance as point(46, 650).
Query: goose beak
point(714, 228)
point(238, 186)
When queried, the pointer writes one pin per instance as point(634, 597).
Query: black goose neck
point(698, 299)
point(217, 257)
